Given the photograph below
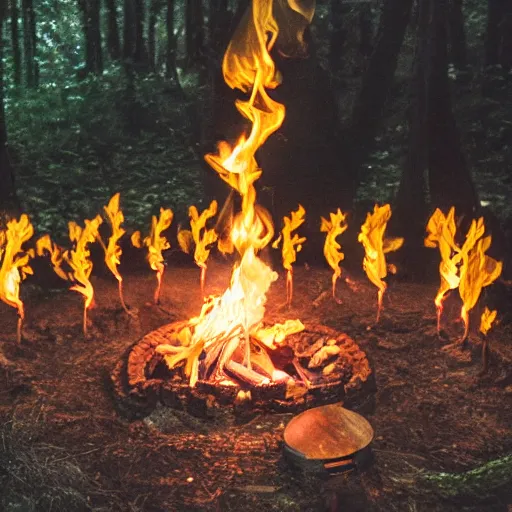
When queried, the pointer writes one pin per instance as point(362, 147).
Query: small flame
point(332, 249)
point(441, 233)
point(199, 235)
point(477, 269)
point(156, 244)
point(291, 246)
point(486, 320)
point(376, 246)
point(15, 261)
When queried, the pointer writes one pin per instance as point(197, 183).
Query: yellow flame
point(441, 232)
point(477, 269)
point(78, 258)
point(486, 320)
point(247, 65)
point(156, 244)
point(335, 226)
point(199, 235)
point(376, 246)
point(14, 261)
point(113, 251)
point(291, 245)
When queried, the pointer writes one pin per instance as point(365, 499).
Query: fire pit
point(315, 366)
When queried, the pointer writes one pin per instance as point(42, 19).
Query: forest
point(118, 108)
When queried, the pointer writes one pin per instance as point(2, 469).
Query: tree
point(358, 139)
point(92, 34)
point(457, 35)
point(129, 30)
point(498, 39)
point(113, 43)
point(30, 43)
point(15, 43)
point(435, 158)
point(140, 54)
point(170, 53)
point(154, 9)
point(8, 198)
point(194, 32)
point(338, 35)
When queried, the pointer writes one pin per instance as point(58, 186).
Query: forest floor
point(63, 445)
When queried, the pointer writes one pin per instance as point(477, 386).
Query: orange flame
point(199, 235)
point(113, 250)
point(225, 322)
point(477, 270)
point(441, 233)
point(14, 263)
point(156, 244)
point(376, 246)
point(290, 242)
point(332, 249)
point(486, 320)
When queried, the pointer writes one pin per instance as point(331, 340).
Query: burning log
point(202, 241)
point(14, 264)
point(113, 250)
point(333, 228)
point(376, 246)
point(291, 245)
point(156, 243)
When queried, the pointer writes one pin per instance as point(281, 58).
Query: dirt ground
point(64, 446)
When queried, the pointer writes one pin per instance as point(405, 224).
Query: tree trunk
point(450, 182)
point(493, 37)
point(506, 45)
point(140, 55)
point(153, 12)
point(170, 58)
point(129, 30)
point(194, 32)
point(8, 200)
point(410, 209)
point(218, 28)
point(365, 31)
point(338, 35)
point(15, 43)
point(367, 113)
point(458, 49)
point(29, 44)
point(92, 34)
point(113, 43)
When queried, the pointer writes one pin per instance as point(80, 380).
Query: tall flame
point(225, 322)
point(156, 244)
point(441, 231)
point(113, 250)
point(199, 235)
point(376, 246)
point(291, 245)
point(14, 263)
point(77, 258)
point(477, 270)
point(335, 226)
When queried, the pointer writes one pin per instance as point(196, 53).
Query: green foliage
point(76, 145)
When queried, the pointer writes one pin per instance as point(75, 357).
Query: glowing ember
point(441, 233)
point(156, 243)
point(199, 235)
point(223, 329)
point(477, 270)
point(14, 265)
point(335, 226)
point(77, 258)
point(113, 250)
point(291, 245)
point(376, 246)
